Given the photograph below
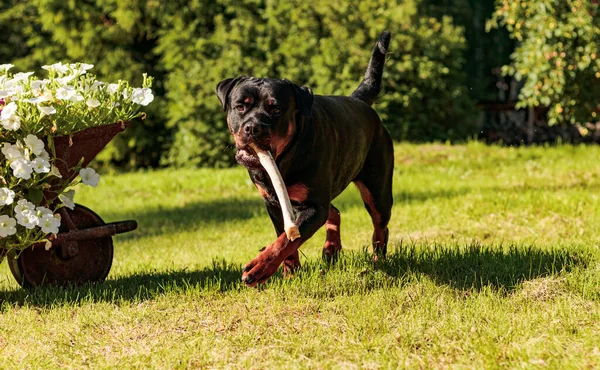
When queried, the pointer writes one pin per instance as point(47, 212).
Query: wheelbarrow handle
point(97, 232)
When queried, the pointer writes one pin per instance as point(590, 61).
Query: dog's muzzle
point(253, 130)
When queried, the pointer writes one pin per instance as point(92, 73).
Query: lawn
point(493, 262)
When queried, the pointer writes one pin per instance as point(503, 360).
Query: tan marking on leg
point(379, 234)
point(333, 242)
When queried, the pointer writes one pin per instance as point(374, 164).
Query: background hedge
point(442, 60)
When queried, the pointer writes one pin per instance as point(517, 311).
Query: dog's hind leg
point(375, 185)
point(333, 242)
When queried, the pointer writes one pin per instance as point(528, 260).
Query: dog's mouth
point(245, 149)
point(247, 157)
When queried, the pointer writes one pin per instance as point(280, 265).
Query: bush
point(317, 44)
point(191, 45)
point(558, 55)
point(118, 37)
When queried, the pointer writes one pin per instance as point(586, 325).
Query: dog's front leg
point(292, 262)
point(257, 271)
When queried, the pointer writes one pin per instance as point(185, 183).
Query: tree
point(557, 57)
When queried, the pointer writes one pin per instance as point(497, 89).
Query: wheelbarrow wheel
point(36, 266)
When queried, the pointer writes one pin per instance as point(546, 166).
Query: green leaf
point(35, 196)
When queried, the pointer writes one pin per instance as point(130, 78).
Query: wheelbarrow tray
point(82, 251)
point(80, 148)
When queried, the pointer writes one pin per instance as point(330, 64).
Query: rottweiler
point(320, 144)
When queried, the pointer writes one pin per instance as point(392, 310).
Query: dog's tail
point(370, 87)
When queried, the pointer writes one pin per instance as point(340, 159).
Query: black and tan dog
point(320, 144)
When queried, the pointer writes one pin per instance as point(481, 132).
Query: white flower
point(76, 98)
point(12, 152)
point(38, 100)
point(142, 96)
point(41, 165)
point(24, 205)
point(7, 196)
point(65, 92)
point(112, 88)
point(96, 85)
point(42, 211)
point(12, 124)
point(27, 219)
point(89, 177)
point(47, 110)
point(16, 91)
point(22, 169)
point(67, 199)
point(6, 67)
point(81, 68)
point(4, 94)
point(34, 144)
point(49, 224)
point(92, 103)
point(65, 80)
point(8, 111)
point(7, 226)
point(21, 76)
point(44, 155)
point(38, 84)
point(59, 68)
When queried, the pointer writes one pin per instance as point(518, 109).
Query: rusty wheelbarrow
point(82, 251)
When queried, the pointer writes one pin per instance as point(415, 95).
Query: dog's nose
point(254, 129)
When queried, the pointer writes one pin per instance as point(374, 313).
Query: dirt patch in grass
point(543, 289)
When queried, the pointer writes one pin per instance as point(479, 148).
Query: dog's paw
point(259, 270)
point(291, 265)
point(330, 257)
point(331, 252)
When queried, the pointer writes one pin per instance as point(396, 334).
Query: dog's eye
point(240, 108)
point(275, 109)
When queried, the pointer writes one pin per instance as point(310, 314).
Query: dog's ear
point(224, 88)
point(304, 99)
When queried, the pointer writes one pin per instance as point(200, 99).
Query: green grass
point(494, 263)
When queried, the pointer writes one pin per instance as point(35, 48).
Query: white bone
point(267, 161)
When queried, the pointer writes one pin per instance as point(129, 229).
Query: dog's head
point(264, 112)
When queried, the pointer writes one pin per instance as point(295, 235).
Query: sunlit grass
point(494, 262)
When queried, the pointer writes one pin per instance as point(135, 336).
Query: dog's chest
point(297, 192)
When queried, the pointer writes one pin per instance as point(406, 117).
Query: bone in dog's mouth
point(268, 163)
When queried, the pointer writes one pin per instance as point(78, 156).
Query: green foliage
point(14, 17)
point(558, 55)
point(118, 37)
point(189, 46)
point(486, 51)
point(316, 44)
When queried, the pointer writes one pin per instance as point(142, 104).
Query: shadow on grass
point(219, 277)
point(464, 268)
point(476, 266)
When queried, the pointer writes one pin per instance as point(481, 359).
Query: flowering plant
point(32, 112)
